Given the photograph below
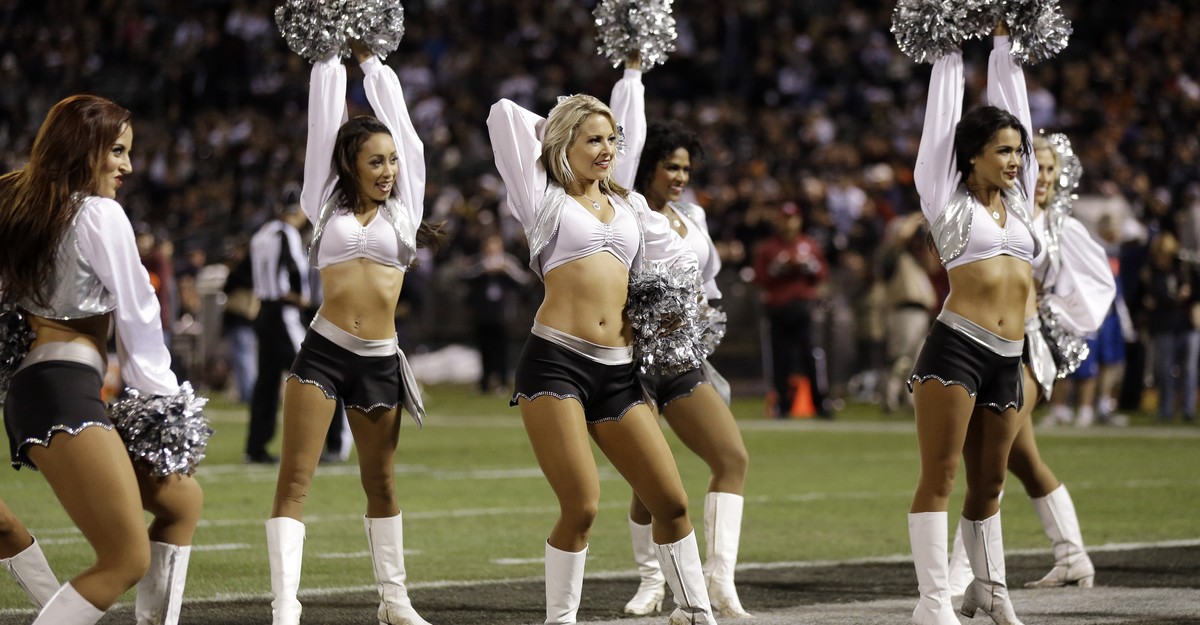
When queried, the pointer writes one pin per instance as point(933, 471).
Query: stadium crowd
point(808, 102)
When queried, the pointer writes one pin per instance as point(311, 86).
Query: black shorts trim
point(995, 381)
point(364, 383)
point(49, 397)
point(606, 392)
point(662, 390)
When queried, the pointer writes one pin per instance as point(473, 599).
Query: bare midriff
point(360, 297)
point(993, 293)
point(586, 299)
point(90, 331)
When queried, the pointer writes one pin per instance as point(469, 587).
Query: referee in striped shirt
point(280, 271)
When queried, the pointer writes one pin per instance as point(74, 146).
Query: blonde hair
point(562, 127)
point(1040, 143)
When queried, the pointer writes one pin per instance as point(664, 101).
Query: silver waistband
point(602, 354)
point(69, 352)
point(363, 347)
point(988, 339)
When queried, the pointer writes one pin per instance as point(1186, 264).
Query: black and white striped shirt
point(278, 263)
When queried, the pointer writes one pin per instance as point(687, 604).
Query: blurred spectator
point(791, 269)
point(910, 303)
point(493, 278)
point(280, 271)
point(1171, 305)
point(237, 322)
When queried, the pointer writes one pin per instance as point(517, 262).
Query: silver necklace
point(595, 204)
point(996, 215)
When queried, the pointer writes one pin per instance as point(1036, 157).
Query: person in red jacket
point(791, 269)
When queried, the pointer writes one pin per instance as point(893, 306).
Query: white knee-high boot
point(33, 574)
point(285, 549)
point(960, 567)
point(680, 562)
point(564, 584)
point(984, 543)
point(386, 539)
point(68, 607)
point(1071, 562)
point(653, 586)
point(722, 533)
point(160, 593)
point(927, 536)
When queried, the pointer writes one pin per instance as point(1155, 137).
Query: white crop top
point(988, 239)
point(346, 239)
point(963, 230)
point(341, 237)
point(581, 234)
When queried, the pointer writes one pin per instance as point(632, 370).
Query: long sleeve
point(1006, 90)
point(663, 245)
point(387, 100)
point(106, 242)
point(1084, 287)
point(516, 136)
point(326, 113)
point(936, 173)
point(628, 104)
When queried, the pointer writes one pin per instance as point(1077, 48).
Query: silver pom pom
point(663, 309)
point(167, 432)
point(15, 339)
point(379, 24)
point(1068, 348)
point(712, 328)
point(624, 26)
point(314, 29)
point(1039, 29)
point(1069, 175)
point(927, 30)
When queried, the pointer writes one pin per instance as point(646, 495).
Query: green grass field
point(477, 507)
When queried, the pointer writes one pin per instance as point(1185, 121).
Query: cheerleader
point(659, 166)
point(1074, 283)
point(976, 176)
point(576, 376)
point(70, 264)
point(364, 191)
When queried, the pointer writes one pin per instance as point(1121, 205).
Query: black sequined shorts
point(363, 382)
point(606, 391)
point(50, 396)
point(951, 356)
point(664, 389)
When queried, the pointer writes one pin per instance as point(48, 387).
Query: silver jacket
point(952, 229)
point(73, 289)
point(392, 210)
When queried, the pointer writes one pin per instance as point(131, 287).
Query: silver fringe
point(927, 30)
point(1070, 172)
point(1039, 29)
point(713, 323)
point(1068, 348)
point(379, 24)
point(664, 309)
point(167, 432)
point(314, 29)
point(645, 26)
point(15, 339)
point(319, 29)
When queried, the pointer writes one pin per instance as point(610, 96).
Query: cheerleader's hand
point(360, 50)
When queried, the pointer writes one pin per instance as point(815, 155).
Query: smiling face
point(999, 162)
point(590, 155)
point(376, 165)
point(671, 177)
point(115, 165)
point(1043, 193)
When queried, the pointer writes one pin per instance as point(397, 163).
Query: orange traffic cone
point(802, 403)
